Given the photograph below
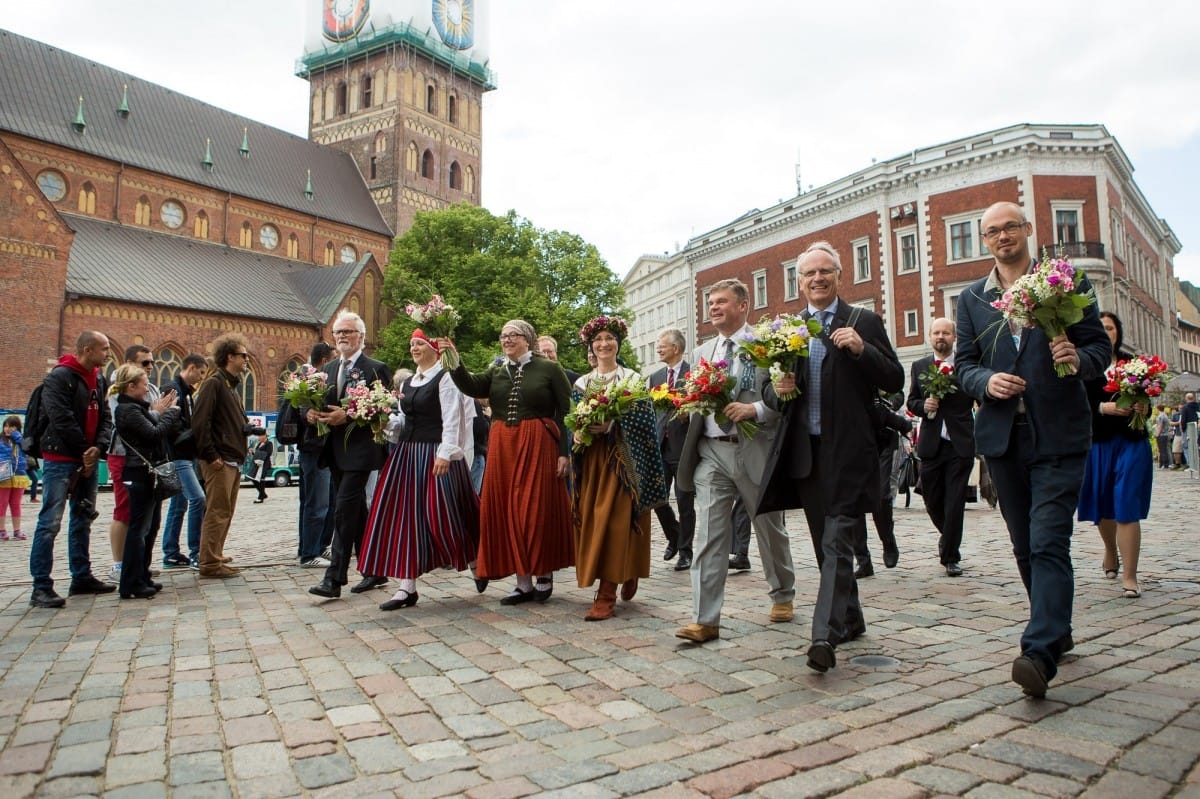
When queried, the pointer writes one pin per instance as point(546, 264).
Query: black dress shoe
point(684, 563)
point(821, 657)
point(1029, 674)
point(145, 592)
point(953, 570)
point(90, 585)
point(853, 632)
point(864, 570)
point(326, 588)
point(156, 586)
point(480, 585)
point(670, 552)
point(891, 556)
point(367, 583)
point(395, 604)
point(542, 594)
point(518, 597)
point(46, 598)
point(739, 563)
point(1065, 645)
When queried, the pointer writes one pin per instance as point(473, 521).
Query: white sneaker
point(114, 574)
point(316, 563)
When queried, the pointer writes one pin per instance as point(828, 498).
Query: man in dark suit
point(671, 434)
point(1035, 429)
point(824, 458)
point(351, 456)
point(946, 447)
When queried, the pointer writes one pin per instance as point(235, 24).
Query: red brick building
point(160, 220)
point(908, 233)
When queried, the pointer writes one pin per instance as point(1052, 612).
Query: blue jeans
point(56, 478)
point(477, 472)
point(314, 505)
point(193, 497)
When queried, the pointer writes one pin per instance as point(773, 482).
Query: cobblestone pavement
point(251, 687)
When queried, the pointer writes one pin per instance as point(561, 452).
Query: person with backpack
point(73, 429)
point(183, 453)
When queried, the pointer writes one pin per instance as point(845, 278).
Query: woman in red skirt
point(424, 515)
point(525, 514)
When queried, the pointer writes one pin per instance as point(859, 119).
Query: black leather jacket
point(65, 401)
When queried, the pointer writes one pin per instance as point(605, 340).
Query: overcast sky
point(640, 123)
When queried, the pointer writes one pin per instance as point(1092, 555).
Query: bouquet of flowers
point(304, 389)
point(706, 391)
point(938, 380)
point(369, 406)
point(775, 344)
point(1046, 298)
point(664, 397)
point(1134, 382)
point(438, 320)
point(602, 403)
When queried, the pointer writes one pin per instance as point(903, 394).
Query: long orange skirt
point(524, 511)
point(608, 546)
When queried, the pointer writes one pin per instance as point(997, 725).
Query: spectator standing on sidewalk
point(183, 454)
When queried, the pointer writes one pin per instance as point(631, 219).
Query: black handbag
point(166, 480)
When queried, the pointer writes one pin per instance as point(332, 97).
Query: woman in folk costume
point(424, 514)
point(617, 480)
point(525, 514)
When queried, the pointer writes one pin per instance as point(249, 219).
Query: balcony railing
point(1075, 249)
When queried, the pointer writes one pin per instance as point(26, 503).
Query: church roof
point(121, 262)
point(169, 133)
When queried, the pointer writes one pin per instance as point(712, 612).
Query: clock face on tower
point(268, 237)
point(343, 19)
point(53, 185)
point(171, 214)
point(455, 22)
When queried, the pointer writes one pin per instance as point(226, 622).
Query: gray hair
point(825, 247)
point(346, 315)
point(675, 336)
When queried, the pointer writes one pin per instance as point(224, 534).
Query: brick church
point(160, 220)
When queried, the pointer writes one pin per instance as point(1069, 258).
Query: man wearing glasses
point(219, 428)
point(1035, 429)
point(352, 455)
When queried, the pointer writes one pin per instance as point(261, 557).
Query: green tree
point(492, 269)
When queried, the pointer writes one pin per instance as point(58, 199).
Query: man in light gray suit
point(719, 466)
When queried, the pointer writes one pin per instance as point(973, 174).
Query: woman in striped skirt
point(425, 514)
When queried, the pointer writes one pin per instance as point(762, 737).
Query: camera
point(86, 505)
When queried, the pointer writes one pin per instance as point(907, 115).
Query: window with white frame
point(704, 303)
point(910, 323)
point(1118, 235)
point(791, 284)
point(964, 239)
point(950, 294)
point(1068, 221)
point(907, 248)
point(760, 288)
point(861, 249)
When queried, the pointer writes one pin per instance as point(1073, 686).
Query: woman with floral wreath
point(524, 511)
point(617, 480)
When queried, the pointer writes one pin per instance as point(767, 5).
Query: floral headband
point(613, 324)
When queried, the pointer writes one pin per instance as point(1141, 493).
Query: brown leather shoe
point(629, 589)
point(602, 608)
point(221, 572)
point(699, 633)
point(782, 611)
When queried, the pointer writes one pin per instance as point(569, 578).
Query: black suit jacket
point(356, 452)
point(955, 414)
point(849, 385)
point(670, 430)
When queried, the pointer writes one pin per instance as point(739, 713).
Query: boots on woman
point(606, 597)
point(629, 588)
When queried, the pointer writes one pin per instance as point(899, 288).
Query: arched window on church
point(141, 211)
point(469, 181)
point(293, 246)
point(329, 253)
point(167, 364)
point(87, 199)
point(410, 157)
point(246, 389)
point(340, 98)
point(380, 142)
point(427, 166)
point(431, 99)
point(367, 83)
point(455, 175)
point(201, 226)
point(246, 236)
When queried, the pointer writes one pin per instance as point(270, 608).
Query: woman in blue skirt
point(425, 514)
point(1118, 476)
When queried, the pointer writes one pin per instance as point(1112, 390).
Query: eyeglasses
point(824, 271)
point(1012, 228)
point(510, 336)
point(351, 332)
point(146, 364)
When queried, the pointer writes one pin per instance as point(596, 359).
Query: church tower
point(398, 84)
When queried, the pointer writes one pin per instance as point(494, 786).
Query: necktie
point(670, 377)
point(345, 367)
point(727, 426)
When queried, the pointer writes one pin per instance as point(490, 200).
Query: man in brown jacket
point(219, 429)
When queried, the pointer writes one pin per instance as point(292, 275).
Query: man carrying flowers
point(1034, 427)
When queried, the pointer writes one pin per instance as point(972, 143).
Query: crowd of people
point(551, 498)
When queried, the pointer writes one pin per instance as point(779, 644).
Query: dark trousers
point(679, 531)
point(741, 530)
point(145, 513)
point(1037, 500)
point(944, 479)
point(837, 609)
point(350, 512)
point(882, 516)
